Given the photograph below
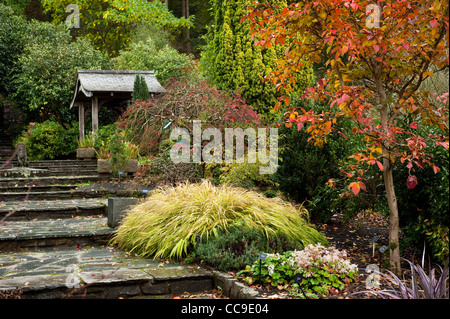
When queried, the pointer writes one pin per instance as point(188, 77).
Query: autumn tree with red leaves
point(378, 55)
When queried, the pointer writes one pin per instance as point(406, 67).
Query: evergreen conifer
point(234, 63)
point(140, 89)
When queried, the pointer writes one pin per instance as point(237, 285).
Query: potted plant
point(117, 156)
point(85, 148)
point(131, 156)
point(103, 158)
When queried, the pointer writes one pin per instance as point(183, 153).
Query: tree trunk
point(183, 8)
point(188, 31)
point(394, 249)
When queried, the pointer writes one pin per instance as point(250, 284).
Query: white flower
point(271, 268)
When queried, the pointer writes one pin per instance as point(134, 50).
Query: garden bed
point(354, 237)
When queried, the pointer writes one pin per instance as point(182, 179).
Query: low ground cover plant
point(239, 247)
point(170, 222)
point(321, 269)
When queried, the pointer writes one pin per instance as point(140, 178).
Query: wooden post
point(94, 114)
point(81, 119)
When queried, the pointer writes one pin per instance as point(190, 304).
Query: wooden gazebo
point(107, 88)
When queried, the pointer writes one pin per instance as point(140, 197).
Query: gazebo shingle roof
point(90, 81)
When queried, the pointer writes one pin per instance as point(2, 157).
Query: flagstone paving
point(32, 209)
point(77, 226)
point(55, 205)
point(58, 271)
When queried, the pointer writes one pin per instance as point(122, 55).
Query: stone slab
point(40, 233)
point(108, 273)
point(53, 208)
point(117, 207)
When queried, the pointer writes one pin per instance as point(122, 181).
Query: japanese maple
point(378, 55)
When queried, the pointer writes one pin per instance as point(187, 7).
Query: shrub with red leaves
point(184, 102)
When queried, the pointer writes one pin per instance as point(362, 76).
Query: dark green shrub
point(45, 70)
point(104, 134)
point(11, 45)
point(304, 170)
point(239, 247)
point(424, 210)
point(50, 140)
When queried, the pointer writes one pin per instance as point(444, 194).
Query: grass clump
point(168, 222)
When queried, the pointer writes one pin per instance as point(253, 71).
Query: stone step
point(6, 151)
point(48, 195)
point(54, 232)
point(69, 165)
point(63, 163)
point(36, 188)
point(60, 192)
point(38, 172)
point(96, 272)
point(46, 180)
point(52, 209)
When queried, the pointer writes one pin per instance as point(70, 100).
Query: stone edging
point(232, 288)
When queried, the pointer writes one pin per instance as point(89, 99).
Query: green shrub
point(304, 169)
point(145, 55)
point(244, 175)
point(239, 247)
point(50, 140)
point(11, 45)
point(46, 70)
point(423, 211)
point(231, 61)
point(170, 219)
point(104, 134)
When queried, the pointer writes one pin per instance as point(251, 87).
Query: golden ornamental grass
point(165, 225)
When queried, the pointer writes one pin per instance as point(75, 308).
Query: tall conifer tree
point(234, 63)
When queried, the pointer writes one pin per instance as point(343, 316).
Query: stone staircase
point(6, 148)
point(48, 180)
point(54, 239)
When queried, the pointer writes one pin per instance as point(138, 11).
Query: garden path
point(54, 238)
